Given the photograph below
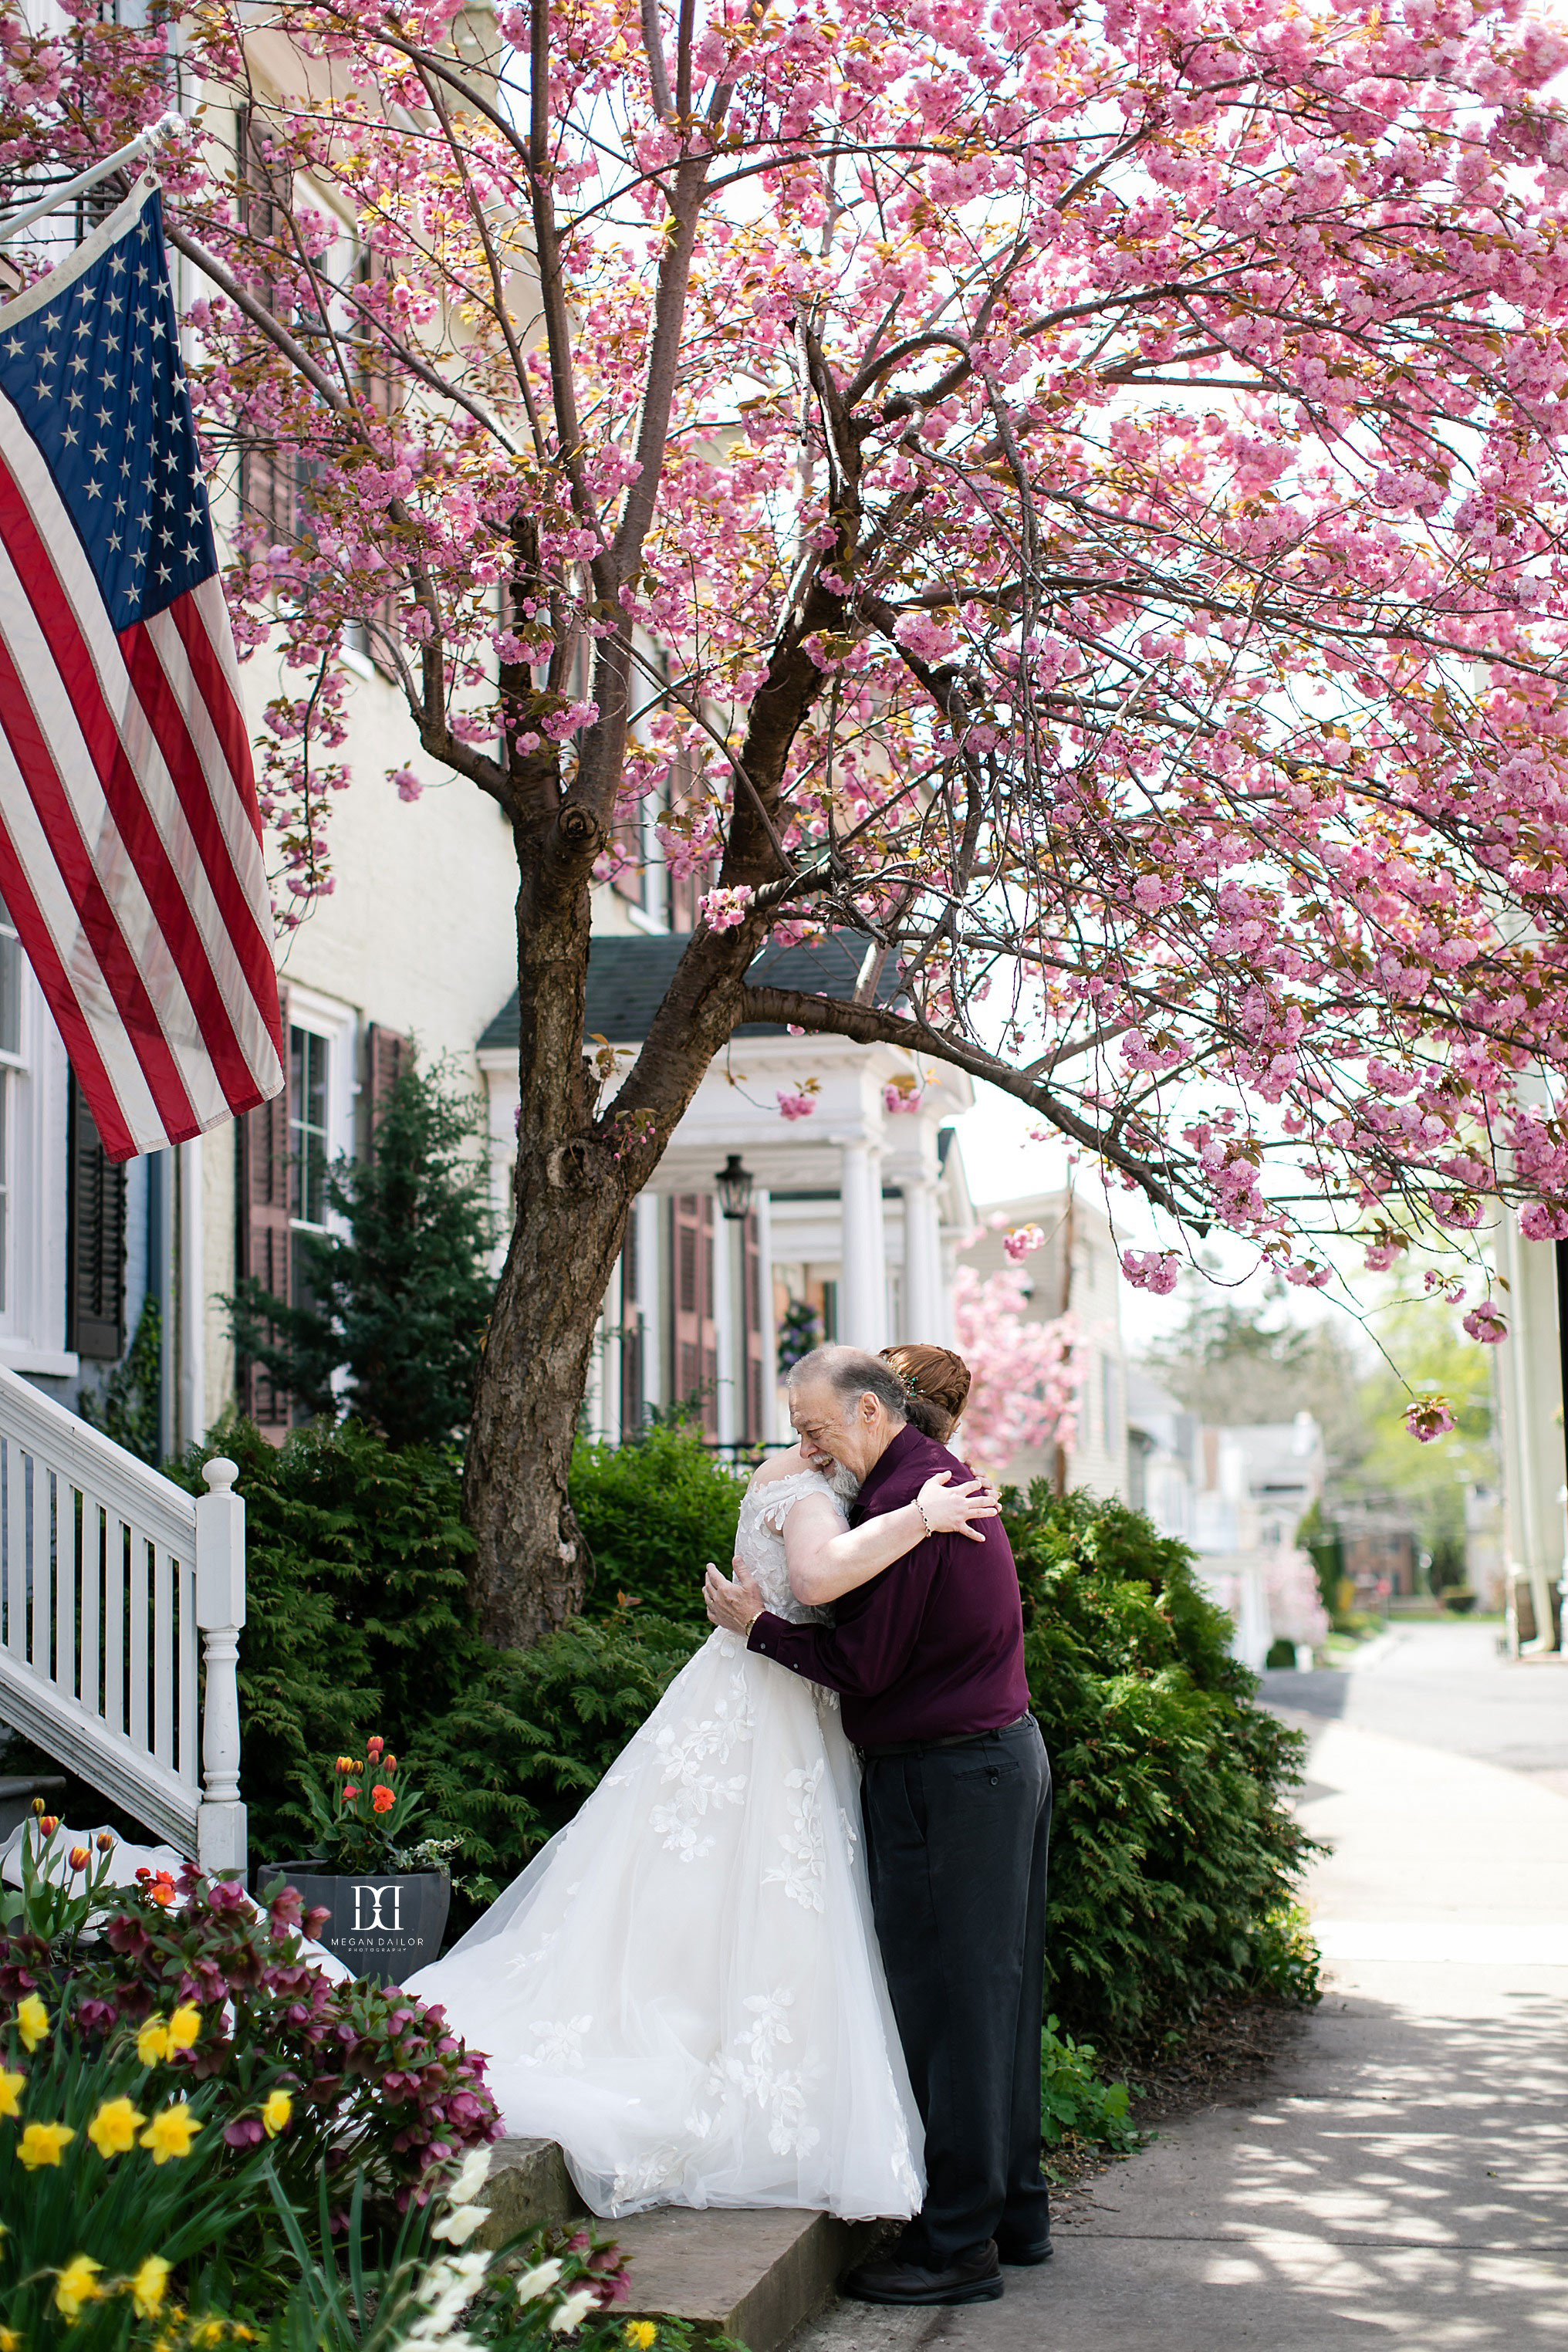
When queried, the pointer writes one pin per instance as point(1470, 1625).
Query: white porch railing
point(121, 1603)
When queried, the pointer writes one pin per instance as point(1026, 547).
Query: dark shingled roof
point(627, 977)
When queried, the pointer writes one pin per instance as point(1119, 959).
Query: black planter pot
point(383, 1924)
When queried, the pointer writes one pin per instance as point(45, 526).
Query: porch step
point(753, 2274)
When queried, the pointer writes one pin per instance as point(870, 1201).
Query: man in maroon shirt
point(956, 1795)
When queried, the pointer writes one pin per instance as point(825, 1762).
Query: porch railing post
point(220, 1613)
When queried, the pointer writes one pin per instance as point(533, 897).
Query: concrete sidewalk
point(1402, 2178)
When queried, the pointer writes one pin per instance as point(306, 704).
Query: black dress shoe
point(1022, 2257)
point(977, 2278)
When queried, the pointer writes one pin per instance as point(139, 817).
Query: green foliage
point(399, 1303)
point(1286, 1963)
point(1075, 2104)
point(1172, 1845)
point(356, 1607)
point(654, 1511)
point(128, 1408)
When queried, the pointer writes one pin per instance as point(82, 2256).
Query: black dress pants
point(956, 1841)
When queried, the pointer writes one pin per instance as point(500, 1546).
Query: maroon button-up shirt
point(932, 1648)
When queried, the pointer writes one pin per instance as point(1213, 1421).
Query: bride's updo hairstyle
point(936, 1387)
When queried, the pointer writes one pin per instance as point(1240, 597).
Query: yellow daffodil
point(275, 2114)
point(42, 2143)
point(170, 2132)
point(11, 2093)
point(32, 2023)
point(113, 2130)
point(74, 2285)
point(641, 2334)
point(153, 2042)
point(148, 2284)
point(185, 2026)
point(9, 2340)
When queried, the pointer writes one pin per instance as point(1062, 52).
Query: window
point(38, 1178)
point(307, 1134)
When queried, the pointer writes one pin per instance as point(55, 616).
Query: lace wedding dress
point(684, 1987)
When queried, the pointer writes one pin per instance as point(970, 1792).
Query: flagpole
point(129, 153)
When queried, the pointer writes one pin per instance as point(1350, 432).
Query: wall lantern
point(734, 1184)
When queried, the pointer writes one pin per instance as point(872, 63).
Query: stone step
point(755, 2274)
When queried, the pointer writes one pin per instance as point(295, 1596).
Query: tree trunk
point(531, 1566)
point(571, 1198)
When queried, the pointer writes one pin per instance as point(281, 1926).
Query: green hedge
point(1174, 1849)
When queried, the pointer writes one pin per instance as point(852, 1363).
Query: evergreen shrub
point(1173, 1848)
point(653, 1511)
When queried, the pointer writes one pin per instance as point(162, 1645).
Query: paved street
point(1402, 2178)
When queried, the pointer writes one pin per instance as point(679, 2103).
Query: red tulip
point(383, 1799)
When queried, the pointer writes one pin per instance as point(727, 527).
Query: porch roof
point(628, 975)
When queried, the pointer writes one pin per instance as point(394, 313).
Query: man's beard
point(844, 1483)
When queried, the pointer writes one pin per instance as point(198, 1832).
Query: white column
point(649, 1298)
point(925, 1299)
point(862, 1266)
point(726, 1301)
point(763, 1206)
point(610, 1374)
point(193, 1387)
point(1530, 1381)
point(220, 1613)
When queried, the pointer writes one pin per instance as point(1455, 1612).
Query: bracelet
point(924, 1521)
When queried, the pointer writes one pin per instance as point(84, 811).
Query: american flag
point(130, 854)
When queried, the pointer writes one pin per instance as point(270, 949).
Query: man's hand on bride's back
point(947, 1511)
point(733, 1608)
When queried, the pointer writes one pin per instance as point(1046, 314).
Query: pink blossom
point(408, 785)
point(1022, 1240)
point(1155, 1270)
point(1429, 1417)
point(795, 1106)
point(1485, 1322)
point(724, 911)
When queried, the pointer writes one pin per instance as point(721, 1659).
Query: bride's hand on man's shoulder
point(947, 1511)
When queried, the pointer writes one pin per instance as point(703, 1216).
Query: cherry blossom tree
point(1070, 499)
point(1024, 1382)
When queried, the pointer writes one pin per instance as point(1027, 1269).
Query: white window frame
point(338, 1025)
point(37, 1084)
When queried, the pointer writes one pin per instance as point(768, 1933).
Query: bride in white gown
point(683, 1988)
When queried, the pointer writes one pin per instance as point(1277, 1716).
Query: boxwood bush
point(1173, 1850)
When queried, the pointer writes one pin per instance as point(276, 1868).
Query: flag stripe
point(129, 837)
point(74, 1028)
point(144, 849)
point(184, 797)
point(111, 952)
point(240, 959)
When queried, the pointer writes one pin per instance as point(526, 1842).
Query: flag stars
point(114, 543)
point(116, 264)
point(75, 400)
point(116, 303)
point(15, 347)
point(72, 437)
point(95, 490)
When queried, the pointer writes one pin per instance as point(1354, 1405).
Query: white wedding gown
point(683, 1988)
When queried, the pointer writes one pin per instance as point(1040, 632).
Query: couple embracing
point(791, 1950)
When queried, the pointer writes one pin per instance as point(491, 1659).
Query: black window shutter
point(95, 1246)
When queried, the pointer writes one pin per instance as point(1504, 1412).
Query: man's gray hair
point(852, 1372)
